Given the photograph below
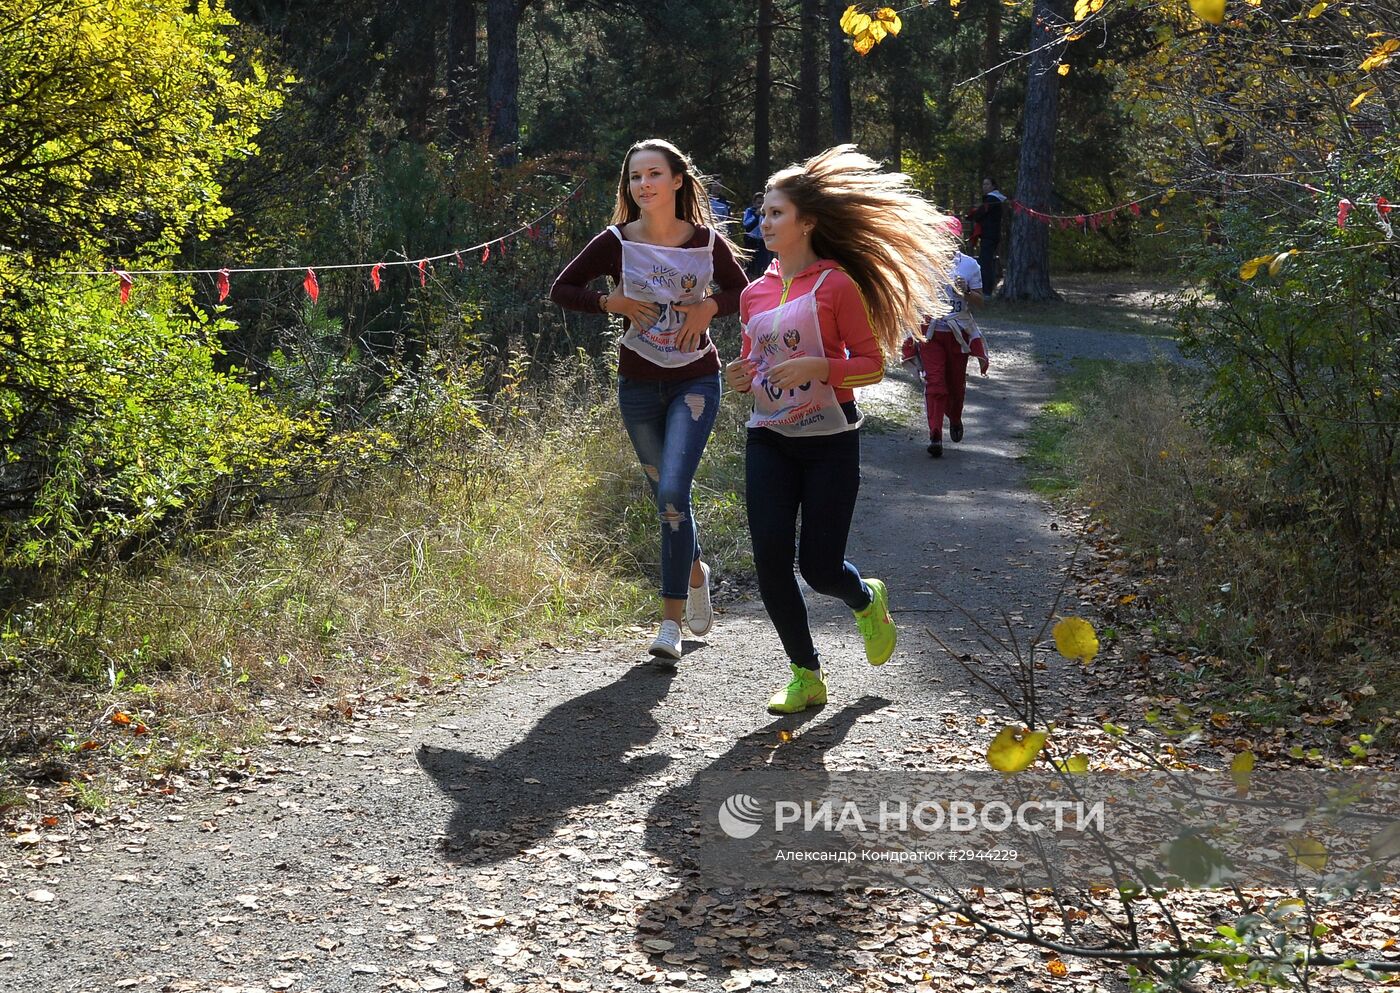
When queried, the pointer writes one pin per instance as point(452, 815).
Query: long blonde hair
point(692, 202)
point(892, 242)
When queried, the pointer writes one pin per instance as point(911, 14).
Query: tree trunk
point(461, 69)
point(763, 92)
point(809, 80)
point(837, 79)
point(991, 56)
point(503, 75)
point(418, 65)
point(1028, 262)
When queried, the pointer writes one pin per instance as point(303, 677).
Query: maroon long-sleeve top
point(603, 257)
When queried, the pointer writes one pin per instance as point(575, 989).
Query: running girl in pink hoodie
point(860, 256)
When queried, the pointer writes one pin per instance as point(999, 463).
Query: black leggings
point(820, 477)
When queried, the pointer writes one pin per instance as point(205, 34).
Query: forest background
point(218, 491)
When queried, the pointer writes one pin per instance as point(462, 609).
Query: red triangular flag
point(502, 243)
point(423, 272)
point(310, 285)
point(1343, 209)
point(1136, 208)
point(375, 280)
point(1080, 220)
point(222, 283)
point(486, 253)
point(460, 263)
point(125, 291)
point(1383, 206)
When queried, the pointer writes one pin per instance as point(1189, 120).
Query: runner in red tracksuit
point(948, 342)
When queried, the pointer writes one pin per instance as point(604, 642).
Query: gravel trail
point(529, 833)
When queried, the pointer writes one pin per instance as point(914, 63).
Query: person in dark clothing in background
point(753, 238)
point(987, 217)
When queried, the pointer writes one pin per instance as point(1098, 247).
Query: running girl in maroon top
point(859, 258)
point(662, 253)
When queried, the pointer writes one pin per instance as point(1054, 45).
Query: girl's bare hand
point(697, 322)
point(642, 313)
point(739, 375)
point(798, 372)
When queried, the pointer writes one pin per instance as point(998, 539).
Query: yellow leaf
point(1241, 767)
point(887, 17)
point(1276, 266)
point(1014, 748)
point(1317, 9)
point(1075, 639)
point(1210, 11)
point(853, 22)
point(1127, 598)
point(1057, 968)
point(1382, 55)
point(1307, 852)
point(1075, 765)
point(1063, 70)
point(1359, 97)
point(1251, 268)
point(864, 44)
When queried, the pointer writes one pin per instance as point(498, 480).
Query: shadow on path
point(576, 754)
point(715, 925)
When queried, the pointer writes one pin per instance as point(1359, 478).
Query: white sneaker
point(699, 614)
point(667, 644)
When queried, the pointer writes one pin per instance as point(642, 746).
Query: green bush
point(1304, 365)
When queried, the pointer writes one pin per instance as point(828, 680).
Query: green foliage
point(1305, 366)
point(115, 117)
point(117, 418)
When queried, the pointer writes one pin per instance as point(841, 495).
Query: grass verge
point(1209, 563)
point(525, 529)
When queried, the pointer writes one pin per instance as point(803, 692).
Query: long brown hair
point(889, 239)
point(692, 202)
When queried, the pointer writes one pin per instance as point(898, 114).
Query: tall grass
point(1253, 576)
point(508, 524)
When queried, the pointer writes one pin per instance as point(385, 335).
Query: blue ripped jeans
point(669, 423)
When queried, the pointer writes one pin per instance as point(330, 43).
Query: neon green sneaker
point(807, 689)
point(876, 626)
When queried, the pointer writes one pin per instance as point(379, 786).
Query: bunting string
point(1094, 220)
point(310, 282)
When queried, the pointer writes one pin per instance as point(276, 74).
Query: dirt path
point(533, 833)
